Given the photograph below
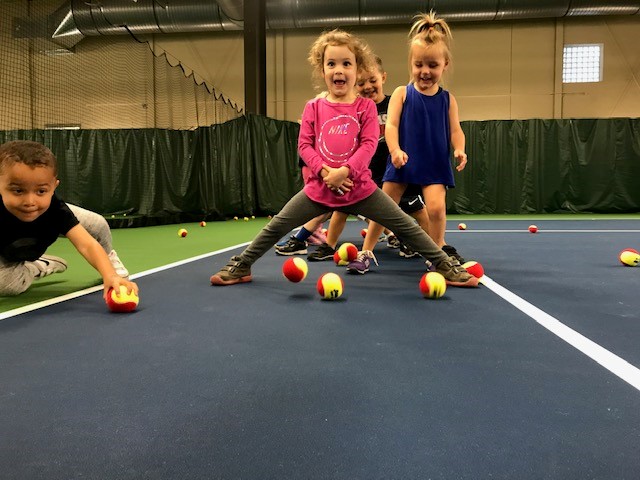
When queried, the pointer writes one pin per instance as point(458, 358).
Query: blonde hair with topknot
point(428, 29)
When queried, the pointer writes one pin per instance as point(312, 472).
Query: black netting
point(105, 82)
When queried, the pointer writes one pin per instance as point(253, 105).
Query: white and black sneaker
point(406, 251)
point(117, 264)
point(48, 265)
point(293, 246)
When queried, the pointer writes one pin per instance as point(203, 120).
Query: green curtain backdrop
point(249, 166)
point(546, 166)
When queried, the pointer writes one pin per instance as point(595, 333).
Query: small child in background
point(338, 137)
point(32, 217)
point(422, 126)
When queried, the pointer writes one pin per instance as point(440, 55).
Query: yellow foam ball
point(629, 258)
point(182, 232)
point(347, 252)
point(330, 286)
point(122, 302)
point(433, 285)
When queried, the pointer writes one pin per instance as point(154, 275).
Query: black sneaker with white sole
point(292, 247)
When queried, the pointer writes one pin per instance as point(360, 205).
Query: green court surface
point(140, 249)
point(145, 248)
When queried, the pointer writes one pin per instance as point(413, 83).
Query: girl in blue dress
point(422, 128)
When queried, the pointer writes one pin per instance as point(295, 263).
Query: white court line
point(87, 291)
point(604, 357)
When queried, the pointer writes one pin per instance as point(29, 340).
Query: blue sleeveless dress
point(426, 137)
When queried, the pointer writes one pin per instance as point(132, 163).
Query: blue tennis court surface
point(265, 380)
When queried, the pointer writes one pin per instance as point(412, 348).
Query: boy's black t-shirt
point(27, 241)
point(379, 160)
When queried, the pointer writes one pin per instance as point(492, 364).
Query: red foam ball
point(363, 232)
point(432, 285)
point(533, 228)
point(339, 261)
point(474, 268)
point(347, 252)
point(295, 269)
point(126, 302)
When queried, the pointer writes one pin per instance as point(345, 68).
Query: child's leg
point(422, 217)
point(298, 210)
point(315, 223)
point(336, 227)
point(98, 228)
point(383, 210)
point(395, 191)
point(17, 277)
point(95, 224)
point(435, 200)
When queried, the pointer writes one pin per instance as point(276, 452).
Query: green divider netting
point(548, 166)
point(249, 166)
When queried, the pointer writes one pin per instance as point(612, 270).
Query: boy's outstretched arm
point(93, 252)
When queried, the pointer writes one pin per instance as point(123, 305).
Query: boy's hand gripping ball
point(433, 285)
point(330, 286)
point(295, 269)
point(126, 302)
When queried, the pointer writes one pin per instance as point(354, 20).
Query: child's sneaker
point(118, 266)
point(318, 237)
point(393, 241)
point(455, 275)
point(407, 252)
point(452, 252)
point(323, 252)
point(236, 271)
point(48, 265)
point(292, 247)
point(362, 262)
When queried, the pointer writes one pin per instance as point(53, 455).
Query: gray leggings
point(378, 207)
point(17, 277)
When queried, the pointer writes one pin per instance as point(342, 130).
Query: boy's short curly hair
point(364, 57)
point(32, 154)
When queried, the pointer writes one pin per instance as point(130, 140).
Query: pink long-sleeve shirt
point(339, 134)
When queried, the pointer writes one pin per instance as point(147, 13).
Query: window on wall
point(582, 63)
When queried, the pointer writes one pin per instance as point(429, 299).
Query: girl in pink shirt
point(338, 136)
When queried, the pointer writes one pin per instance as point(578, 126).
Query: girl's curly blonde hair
point(364, 57)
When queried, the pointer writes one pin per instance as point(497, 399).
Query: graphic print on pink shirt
point(338, 138)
